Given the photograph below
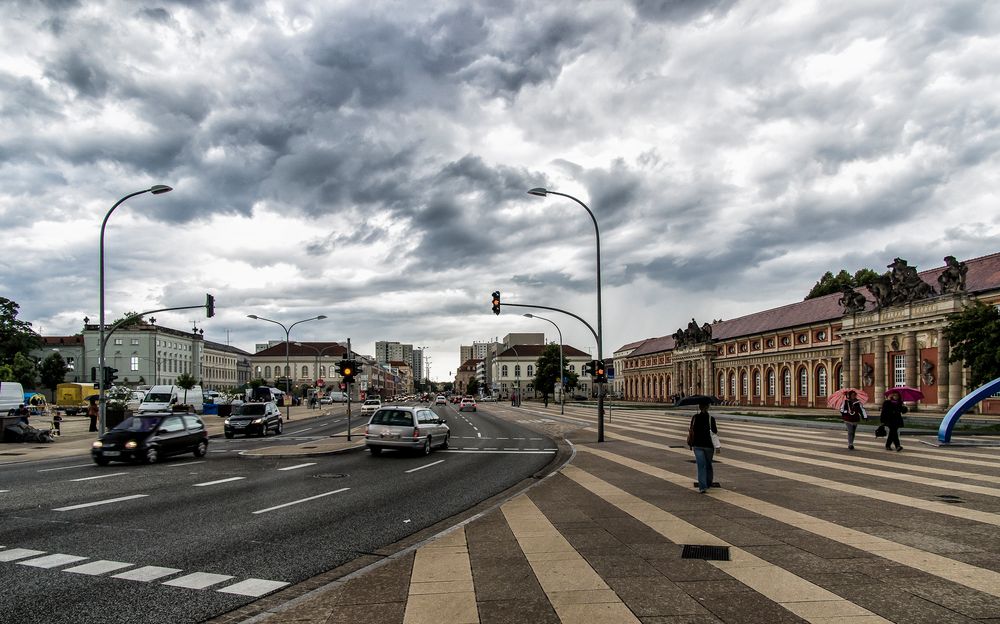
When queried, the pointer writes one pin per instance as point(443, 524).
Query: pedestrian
point(892, 417)
point(852, 412)
point(57, 423)
point(93, 412)
point(700, 440)
point(23, 413)
point(546, 399)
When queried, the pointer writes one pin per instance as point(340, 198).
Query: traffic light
point(496, 302)
point(110, 375)
point(349, 368)
point(93, 374)
point(209, 306)
point(589, 368)
point(600, 373)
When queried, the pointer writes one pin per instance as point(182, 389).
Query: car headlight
point(131, 444)
point(225, 422)
point(258, 421)
point(98, 444)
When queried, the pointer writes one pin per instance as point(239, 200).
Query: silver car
point(406, 427)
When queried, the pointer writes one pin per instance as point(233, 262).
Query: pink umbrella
point(906, 393)
point(837, 399)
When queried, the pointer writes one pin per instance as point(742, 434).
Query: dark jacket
point(851, 411)
point(702, 424)
point(892, 414)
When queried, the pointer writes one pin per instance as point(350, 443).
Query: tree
point(186, 381)
point(547, 371)
point(473, 386)
point(15, 336)
point(25, 370)
point(830, 283)
point(974, 334)
point(52, 371)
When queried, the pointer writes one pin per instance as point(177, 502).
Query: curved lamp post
point(156, 189)
point(541, 192)
point(562, 385)
point(288, 368)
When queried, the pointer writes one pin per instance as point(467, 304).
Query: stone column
point(956, 386)
point(941, 371)
point(847, 363)
point(912, 362)
point(708, 377)
point(878, 347)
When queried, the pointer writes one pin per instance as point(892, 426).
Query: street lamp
point(562, 383)
point(541, 192)
point(288, 367)
point(156, 189)
point(319, 353)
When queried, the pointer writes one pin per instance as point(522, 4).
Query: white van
point(163, 398)
point(11, 397)
point(334, 397)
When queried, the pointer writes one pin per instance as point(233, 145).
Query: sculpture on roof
point(952, 279)
point(852, 301)
point(901, 284)
point(693, 335)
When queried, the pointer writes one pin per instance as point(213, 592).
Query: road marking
point(489, 450)
point(66, 467)
point(51, 561)
point(298, 466)
point(503, 438)
point(479, 435)
point(517, 438)
point(19, 553)
point(424, 466)
point(198, 580)
point(103, 502)
point(207, 483)
point(146, 573)
point(190, 463)
point(253, 587)
point(95, 568)
point(2, 491)
point(303, 500)
point(103, 476)
point(302, 430)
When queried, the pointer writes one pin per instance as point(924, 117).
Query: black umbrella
point(698, 399)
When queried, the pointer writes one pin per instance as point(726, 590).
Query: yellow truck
point(72, 397)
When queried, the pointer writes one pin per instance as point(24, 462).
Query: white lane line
point(503, 438)
point(207, 483)
point(479, 435)
point(95, 568)
point(51, 561)
point(190, 463)
point(103, 476)
point(303, 500)
point(424, 466)
point(102, 502)
point(19, 553)
point(517, 438)
point(302, 430)
point(475, 450)
point(253, 587)
point(298, 466)
point(198, 580)
point(2, 491)
point(146, 573)
point(66, 467)
point(476, 428)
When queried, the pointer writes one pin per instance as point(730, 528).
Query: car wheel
point(102, 461)
point(426, 450)
point(444, 444)
point(229, 435)
point(280, 427)
point(375, 450)
point(201, 449)
point(152, 455)
point(264, 431)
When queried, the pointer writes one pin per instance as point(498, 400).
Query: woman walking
point(852, 412)
point(700, 440)
point(892, 417)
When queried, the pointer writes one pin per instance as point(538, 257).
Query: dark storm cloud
point(679, 10)
point(24, 99)
point(82, 71)
point(158, 14)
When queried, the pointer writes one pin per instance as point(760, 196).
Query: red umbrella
point(837, 399)
point(906, 393)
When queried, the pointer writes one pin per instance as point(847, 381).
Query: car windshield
point(393, 417)
point(373, 402)
point(251, 409)
point(158, 397)
point(138, 423)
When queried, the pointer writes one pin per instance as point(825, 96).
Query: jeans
point(893, 438)
point(852, 428)
point(703, 458)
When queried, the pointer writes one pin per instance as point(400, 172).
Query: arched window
point(267, 372)
point(517, 370)
point(732, 385)
point(322, 371)
point(821, 381)
point(722, 383)
point(840, 377)
point(803, 382)
point(572, 368)
point(756, 383)
point(503, 370)
point(531, 370)
point(770, 382)
point(256, 370)
point(288, 372)
point(786, 383)
point(305, 372)
point(744, 384)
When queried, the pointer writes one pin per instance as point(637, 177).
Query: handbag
point(716, 442)
point(881, 432)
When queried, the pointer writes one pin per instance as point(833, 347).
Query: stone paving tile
point(590, 539)
point(621, 564)
point(750, 608)
point(797, 561)
point(955, 597)
point(706, 618)
point(677, 569)
point(654, 596)
point(901, 606)
point(383, 613)
point(517, 611)
point(987, 560)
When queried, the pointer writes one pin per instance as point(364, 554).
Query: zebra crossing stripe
point(95, 568)
point(198, 580)
point(253, 587)
point(51, 561)
point(146, 573)
point(19, 553)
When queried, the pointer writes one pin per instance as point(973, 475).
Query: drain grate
point(709, 553)
point(950, 498)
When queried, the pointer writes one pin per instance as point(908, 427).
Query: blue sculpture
point(964, 405)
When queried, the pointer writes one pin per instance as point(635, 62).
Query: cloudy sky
point(369, 160)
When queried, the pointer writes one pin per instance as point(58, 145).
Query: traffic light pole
point(349, 384)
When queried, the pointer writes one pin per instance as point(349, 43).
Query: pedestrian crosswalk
point(250, 587)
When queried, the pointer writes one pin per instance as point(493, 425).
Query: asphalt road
point(178, 537)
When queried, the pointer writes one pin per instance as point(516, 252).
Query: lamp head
point(320, 317)
point(528, 315)
point(159, 189)
point(253, 316)
point(541, 192)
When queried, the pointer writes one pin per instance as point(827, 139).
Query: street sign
point(320, 383)
point(611, 372)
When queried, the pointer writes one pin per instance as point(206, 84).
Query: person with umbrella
point(892, 417)
point(700, 440)
point(93, 411)
point(852, 411)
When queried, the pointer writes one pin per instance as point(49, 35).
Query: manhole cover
point(330, 475)
point(710, 553)
point(950, 498)
point(308, 447)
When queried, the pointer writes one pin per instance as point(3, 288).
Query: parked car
point(334, 397)
point(150, 437)
point(406, 427)
point(440, 400)
point(254, 419)
point(467, 405)
point(488, 399)
point(370, 406)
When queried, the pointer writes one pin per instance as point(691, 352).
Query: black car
point(254, 419)
point(150, 437)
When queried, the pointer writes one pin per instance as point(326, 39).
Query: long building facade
point(797, 355)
